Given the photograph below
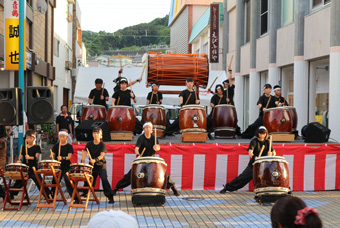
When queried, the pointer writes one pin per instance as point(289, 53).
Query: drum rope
point(151, 97)
point(141, 155)
point(118, 101)
point(268, 102)
point(220, 100)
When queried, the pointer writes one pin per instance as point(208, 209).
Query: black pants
point(126, 181)
point(101, 171)
point(174, 127)
point(2, 191)
point(18, 183)
point(210, 126)
point(67, 182)
point(239, 182)
point(250, 131)
point(138, 127)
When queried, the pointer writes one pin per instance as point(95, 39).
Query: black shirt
point(35, 149)
point(2, 131)
point(215, 99)
point(187, 97)
point(64, 151)
point(230, 93)
point(124, 97)
point(155, 97)
point(281, 100)
point(117, 87)
point(264, 100)
point(95, 151)
point(64, 122)
point(144, 142)
point(256, 146)
point(96, 94)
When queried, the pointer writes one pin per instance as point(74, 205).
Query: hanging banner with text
point(214, 32)
point(11, 55)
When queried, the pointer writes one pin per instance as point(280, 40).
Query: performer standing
point(30, 154)
point(229, 88)
point(145, 141)
point(64, 121)
point(218, 98)
point(154, 97)
point(254, 150)
point(97, 150)
point(99, 95)
point(279, 100)
point(62, 151)
point(117, 80)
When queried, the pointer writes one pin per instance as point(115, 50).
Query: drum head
point(17, 164)
point(82, 164)
point(148, 160)
point(120, 106)
point(277, 108)
point(184, 107)
point(50, 161)
point(270, 159)
point(224, 105)
point(93, 105)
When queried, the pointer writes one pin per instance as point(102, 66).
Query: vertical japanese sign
point(11, 55)
point(214, 32)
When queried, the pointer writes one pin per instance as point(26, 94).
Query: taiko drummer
point(145, 147)
point(259, 146)
point(62, 152)
point(98, 95)
point(279, 100)
point(154, 97)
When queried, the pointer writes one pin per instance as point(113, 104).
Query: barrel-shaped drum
point(224, 120)
point(45, 165)
point(80, 169)
point(121, 119)
point(271, 175)
point(192, 118)
point(154, 114)
point(14, 168)
point(93, 112)
point(148, 174)
point(294, 116)
point(174, 69)
point(278, 120)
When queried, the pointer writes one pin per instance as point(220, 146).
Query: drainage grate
point(193, 198)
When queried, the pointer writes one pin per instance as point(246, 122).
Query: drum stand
point(20, 176)
point(194, 136)
point(56, 176)
point(87, 179)
point(145, 196)
point(115, 135)
point(269, 198)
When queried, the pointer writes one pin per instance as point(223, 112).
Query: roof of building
point(120, 56)
point(204, 22)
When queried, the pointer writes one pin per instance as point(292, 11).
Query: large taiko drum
point(271, 175)
point(224, 120)
point(156, 115)
point(148, 175)
point(121, 119)
point(80, 169)
point(93, 112)
point(192, 118)
point(14, 169)
point(294, 116)
point(45, 165)
point(278, 120)
point(174, 69)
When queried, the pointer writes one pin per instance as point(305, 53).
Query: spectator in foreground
point(112, 219)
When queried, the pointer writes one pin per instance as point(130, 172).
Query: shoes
point(210, 137)
point(224, 190)
point(76, 201)
point(111, 201)
point(175, 191)
point(115, 191)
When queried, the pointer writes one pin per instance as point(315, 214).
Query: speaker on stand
point(316, 133)
point(40, 105)
point(11, 107)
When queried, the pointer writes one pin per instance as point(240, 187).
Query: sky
point(112, 15)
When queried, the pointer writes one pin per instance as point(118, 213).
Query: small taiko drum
point(93, 112)
point(224, 120)
point(121, 119)
point(192, 118)
point(45, 165)
point(80, 169)
point(14, 169)
point(148, 175)
point(294, 116)
point(278, 120)
point(154, 114)
point(271, 176)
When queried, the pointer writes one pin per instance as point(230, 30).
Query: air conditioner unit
point(68, 65)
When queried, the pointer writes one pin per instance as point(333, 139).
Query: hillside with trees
point(145, 34)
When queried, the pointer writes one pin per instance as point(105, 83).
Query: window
point(264, 16)
point(197, 51)
point(247, 21)
point(317, 3)
point(56, 47)
point(205, 48)
point(287, 12)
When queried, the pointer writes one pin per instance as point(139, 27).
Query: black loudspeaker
point(84, 130)
point(11, 106)
point(317, 133)
point(40, 105)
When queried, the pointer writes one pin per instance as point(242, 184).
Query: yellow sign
point(318, 118)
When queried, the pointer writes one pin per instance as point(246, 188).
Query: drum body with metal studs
point(45, 165)
point(154, 114)
point(224, 120)
point(192, 118)
point(14, 168)
point(278, 120)
point(93, 112)
point(121, 119)
point(80, 169)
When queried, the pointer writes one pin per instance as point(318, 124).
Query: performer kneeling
point(64, 156)
point(254, 149)
point(97, 149)
point(147, 141)
point(31, 157)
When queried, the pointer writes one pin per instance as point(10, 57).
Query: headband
point(32, 135)
point(63, 133)
point(277, 88)
point(262, 128)
point(146, 124)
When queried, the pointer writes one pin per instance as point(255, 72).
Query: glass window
point(264, 16)
point(247, 22)
point(316, 3)
point(56, 47)
point(287, 11)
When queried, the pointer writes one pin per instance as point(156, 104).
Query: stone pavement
point(237, 209)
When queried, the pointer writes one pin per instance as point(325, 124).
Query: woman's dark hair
point(285, 210)
point(61, 107)
point(261, 129)
point(219, 86)
point(31, 132)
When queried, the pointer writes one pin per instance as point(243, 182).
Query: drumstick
point(26, 150)
point(155, 136)
point(118, 101)
point(143, 71)
point(157, 98)
point(88, 152)
point(261, 151)
point(213, 83)
point(268, 101)
point(270, 143)
point(151, 97)
point(51, 154)
point(120, 60)
point(103, 88)
point(231, 60)
point(142, 152)
point(219, 100)
point(59, 148)
point(187, 99)
point(195, 93)
point(93, 99)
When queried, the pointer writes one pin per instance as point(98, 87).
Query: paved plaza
point(212, 209)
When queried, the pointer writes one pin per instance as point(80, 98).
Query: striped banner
point(209, 166)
